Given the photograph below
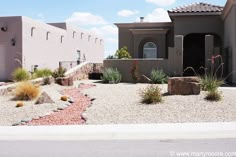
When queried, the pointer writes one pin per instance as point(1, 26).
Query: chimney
point(141, 19)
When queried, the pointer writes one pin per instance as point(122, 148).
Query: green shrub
point(42, 73)
point(151, 94)
point(60, 72)
point(214, 95)
point(21, 74)
point(209, 83)
point(111, 75)
point(26, 91)
point(123, 53)
point(158, 76)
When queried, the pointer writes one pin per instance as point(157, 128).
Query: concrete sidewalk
point(155, 140)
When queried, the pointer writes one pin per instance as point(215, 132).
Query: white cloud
point(110, 29)
point(40, 17)
point(158, 15)
point(110, 35)
point(127, 13)
point(161, 2)
point(86, 18)
point(111, 40)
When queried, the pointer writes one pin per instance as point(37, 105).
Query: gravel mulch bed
point(71, 115)
point(11, 115)
point(121, 104)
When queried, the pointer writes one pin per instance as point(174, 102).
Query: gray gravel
point(120, 103)
point(10, 115)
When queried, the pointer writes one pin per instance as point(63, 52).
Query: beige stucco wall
point(184, 25)
point(134, 36)
point(9, 53)
point(33, 48)
point(230, 38)
point(144, 67)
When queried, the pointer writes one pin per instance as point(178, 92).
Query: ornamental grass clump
point(211, 80)
point(21, 74)
point(111, 76)
point(42, 73)
point(26, 91)
point(151, 94)
point(214, 95)
point(158, 76)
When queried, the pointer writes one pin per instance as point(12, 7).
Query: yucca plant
point(158, 76)
point(111, 75)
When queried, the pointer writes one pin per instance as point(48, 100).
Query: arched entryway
point(194, 52)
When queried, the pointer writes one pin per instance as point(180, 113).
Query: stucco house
point(195, 33)
point(27, 43)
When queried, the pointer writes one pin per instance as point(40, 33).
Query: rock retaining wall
point(77, 73)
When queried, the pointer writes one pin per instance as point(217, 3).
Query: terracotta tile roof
point(197, 8)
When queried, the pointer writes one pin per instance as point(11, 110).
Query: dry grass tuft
point(26, 91)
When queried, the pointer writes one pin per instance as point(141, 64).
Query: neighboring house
point(28, 43)
point(197, 32)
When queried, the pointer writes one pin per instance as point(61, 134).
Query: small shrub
point(123, 53)
point(209, 83)
point(213, 95)
point(42, 73)
point(60, 72)
point(151, 94)
point(158, 77)
point(26, 91)
point(111, 75)
point(21, 74)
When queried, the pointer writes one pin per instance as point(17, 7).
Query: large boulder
point(65, 81)
point(184, 86)
point(44, 98)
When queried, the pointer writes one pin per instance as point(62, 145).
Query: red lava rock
point(70, 115)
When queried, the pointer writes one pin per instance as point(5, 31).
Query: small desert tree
point(123, 53)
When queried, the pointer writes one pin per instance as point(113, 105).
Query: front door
point(194, 54)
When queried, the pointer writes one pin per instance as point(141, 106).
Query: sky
point(97, 16)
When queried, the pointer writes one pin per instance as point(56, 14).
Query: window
point(32, 31)
point(62, 38)
point(89, 37)
point(78, 56)
point(100, 41)
point(81, 35)
point(47, 35)
point(74, 34)
point(150, 50)
point(96, 40)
